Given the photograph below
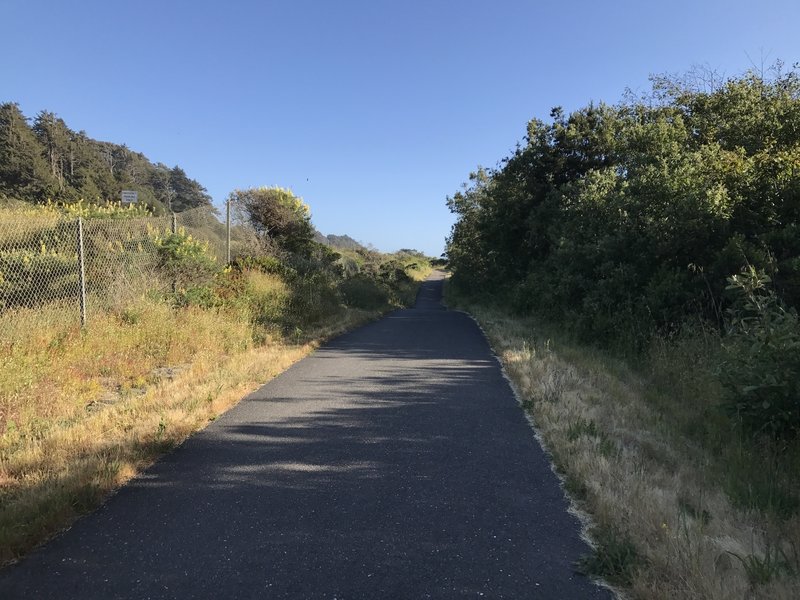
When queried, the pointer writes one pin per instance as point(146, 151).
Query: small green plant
point(615, 558)
point(130, 315)
point(688, 508)
point(162, 428)
point(576, 488)
point(203, 296)
point(581, 428)
point(763, 569)
point(607, 447)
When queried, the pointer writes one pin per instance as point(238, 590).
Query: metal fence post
point(174, 231)
point(81, 274)
point(228, 232)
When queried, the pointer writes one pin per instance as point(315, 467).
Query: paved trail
point(392, 463)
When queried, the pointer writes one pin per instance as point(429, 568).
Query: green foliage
point(774, 563)
point(349, 266)
point(760, 477)
point(203, 296)
point(393, 273)
point(23, 171)
point(93, 210)
point(614, 559)
point(314, 297)
point(580, 428)
point(29, 277)
point(621, 222)
point(761, 364)
point(184, 259)
point(364, 292)
point(264, 263)
point(278, 217)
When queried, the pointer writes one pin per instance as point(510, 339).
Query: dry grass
point(422, 273)
point(81, 412)
point(663, 526)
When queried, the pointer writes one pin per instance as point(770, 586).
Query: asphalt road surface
point(394, 462)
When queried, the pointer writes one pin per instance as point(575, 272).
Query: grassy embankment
point(680, 504)
point(81, 412)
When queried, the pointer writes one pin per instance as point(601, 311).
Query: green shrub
point(203, 296)
point(268, 298)
point(184, 259)
point(363, 292)
point(615, 558)
point(620, 222)
point(95, 210)
point(760, 476)
point(29, 278)
point(393, 273)
point(349, 266)
point(314, 298)
point(263, 263)
point(761, 366)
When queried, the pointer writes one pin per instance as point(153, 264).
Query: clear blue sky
point(372, 111)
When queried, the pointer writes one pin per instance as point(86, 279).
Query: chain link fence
point(98, 263)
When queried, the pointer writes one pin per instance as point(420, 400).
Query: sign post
point(130, 197)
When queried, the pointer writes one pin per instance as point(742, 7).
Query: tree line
point(44, 160)
point(622, 222)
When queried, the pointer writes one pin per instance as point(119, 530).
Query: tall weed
point(761, 363)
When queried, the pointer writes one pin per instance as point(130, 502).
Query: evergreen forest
point(44, 160)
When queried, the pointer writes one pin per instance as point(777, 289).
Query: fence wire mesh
point(40, 256)
point(38, 261)
point(244, 240)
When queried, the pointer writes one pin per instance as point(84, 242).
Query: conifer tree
point(24, 175)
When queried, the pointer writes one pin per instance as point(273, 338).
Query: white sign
point(130, 196)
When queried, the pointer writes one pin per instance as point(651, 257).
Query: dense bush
point(364, 292)
point(264, 263)
point(393, 272)
point(28, 278)
point(313, 299)
point(761, 366)
point(621, 223)
point(317, 283)
point(278, 217)
point(184, 259)
point(623, 220)
point(287, 283)
point(268, 298)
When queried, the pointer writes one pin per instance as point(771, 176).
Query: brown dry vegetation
point(83, 411)
point(665, 512)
